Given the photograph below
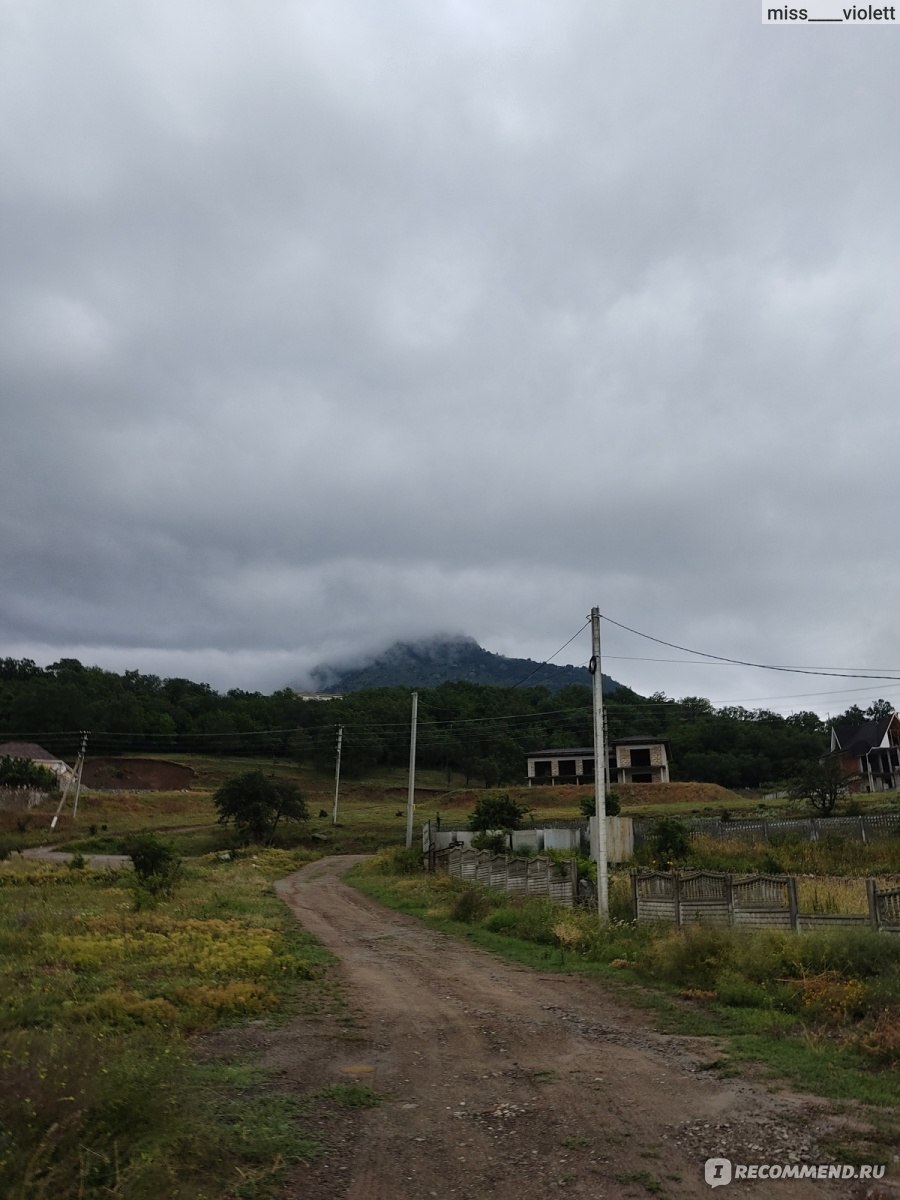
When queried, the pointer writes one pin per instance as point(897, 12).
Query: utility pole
point(411, 794)
point(75, 778)
point(600, 768)
point(337, 773)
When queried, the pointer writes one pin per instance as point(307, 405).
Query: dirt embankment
point(136, 775)
point(503, 1082)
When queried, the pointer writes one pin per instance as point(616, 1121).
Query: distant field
point(371, 811)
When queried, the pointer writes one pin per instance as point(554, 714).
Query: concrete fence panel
point(749, 902)
point(519, 876)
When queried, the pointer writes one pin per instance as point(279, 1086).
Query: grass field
point(100, 1094)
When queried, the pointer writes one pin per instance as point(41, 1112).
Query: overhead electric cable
point(553, 655)
point(740, 662)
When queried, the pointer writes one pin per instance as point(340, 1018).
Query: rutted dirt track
point(504, 1082)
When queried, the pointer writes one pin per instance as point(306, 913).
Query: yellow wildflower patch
point(207, 947)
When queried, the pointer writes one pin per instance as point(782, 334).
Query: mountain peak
point(446, 658)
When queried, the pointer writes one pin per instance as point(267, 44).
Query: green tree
point(821, 784)
point(496, 811)
point(22, 772)
point(254, 805)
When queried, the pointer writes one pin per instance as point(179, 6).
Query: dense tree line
point(480, 730)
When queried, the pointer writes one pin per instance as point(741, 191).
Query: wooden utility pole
point(600, 766)
point(411, 793)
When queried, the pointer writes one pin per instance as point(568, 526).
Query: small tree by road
point(255, 804)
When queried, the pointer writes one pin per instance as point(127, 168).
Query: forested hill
point(433, 661)
point(484, 732)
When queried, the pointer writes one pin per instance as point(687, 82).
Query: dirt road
point(504, 1082)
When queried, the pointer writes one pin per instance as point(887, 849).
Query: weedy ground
point(100, 1094)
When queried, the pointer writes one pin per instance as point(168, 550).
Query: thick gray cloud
point(323, 324)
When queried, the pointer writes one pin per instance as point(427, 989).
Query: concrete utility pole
point(75, 778)
point(337, 773)
point(411, 794)
point(600, 765)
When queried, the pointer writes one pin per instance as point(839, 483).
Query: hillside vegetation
point(481, 732)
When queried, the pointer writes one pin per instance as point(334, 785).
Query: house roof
point(858, 739)
point(645, 739)
point(27, 750)
point(573, 751)
point(583, 751)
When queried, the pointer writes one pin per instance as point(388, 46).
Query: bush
point(496, 811)
point(693, 957)
point(670, 842)
point(470, 906)
point(612, 803)
point(497, 843)
point(156, 865)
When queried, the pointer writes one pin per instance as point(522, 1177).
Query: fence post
point(862, 829)
point(573, 879)
point(793, 908)
point(634, 895)
point(729, 897)
point(677, 879)
point(872, 895)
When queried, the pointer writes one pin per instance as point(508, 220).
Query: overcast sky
point(324, 323)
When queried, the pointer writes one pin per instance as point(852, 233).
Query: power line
point(553, 655)
point(740, 662)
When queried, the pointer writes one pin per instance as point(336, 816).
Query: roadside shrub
point(693, 957)
point(830, 998)
point(861, 954)
point(471, 906)
point(156, 865)
point(394, 861)
point(734, 989)
point(496, 843)
point(881, 1043)
point(669, 844)
point(531, 920)
point(502, 920)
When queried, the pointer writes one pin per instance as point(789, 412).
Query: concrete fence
point(748, 902)
point(548, 835)
point(810, 829)
point(558, 881)
point(21, 799)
